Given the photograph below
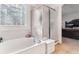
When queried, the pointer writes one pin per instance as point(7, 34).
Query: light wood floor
point(69, 46)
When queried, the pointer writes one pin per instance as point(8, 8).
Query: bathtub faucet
point(1, 39)
point(36, 40)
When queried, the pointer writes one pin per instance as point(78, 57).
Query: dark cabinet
point(71, 33)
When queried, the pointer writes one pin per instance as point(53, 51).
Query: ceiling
point(70, 9)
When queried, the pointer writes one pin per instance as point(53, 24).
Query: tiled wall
point(8, 34)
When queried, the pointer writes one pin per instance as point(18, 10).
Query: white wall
point(60, 23)
point(70, 17)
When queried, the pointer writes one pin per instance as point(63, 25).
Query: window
point(12, 14)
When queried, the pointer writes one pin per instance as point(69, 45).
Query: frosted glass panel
point(11, 14)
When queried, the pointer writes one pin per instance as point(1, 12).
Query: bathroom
point(30, 29)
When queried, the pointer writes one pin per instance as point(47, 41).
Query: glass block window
point(12, 14)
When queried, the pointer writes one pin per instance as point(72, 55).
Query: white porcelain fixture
point(10, 46)
point(26, 46)
point(22, 46)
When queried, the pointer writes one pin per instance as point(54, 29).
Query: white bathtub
point(22, 46)
point(39, 48)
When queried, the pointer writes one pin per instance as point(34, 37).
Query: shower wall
point(40, 22)
point(56, 22)
point(45, 20)
point(53, 24)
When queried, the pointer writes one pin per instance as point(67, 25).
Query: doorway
point(70, 32)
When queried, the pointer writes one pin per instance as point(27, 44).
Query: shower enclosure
point(43, 22)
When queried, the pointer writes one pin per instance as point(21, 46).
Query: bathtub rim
point(36, 44)
point(4, 42)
